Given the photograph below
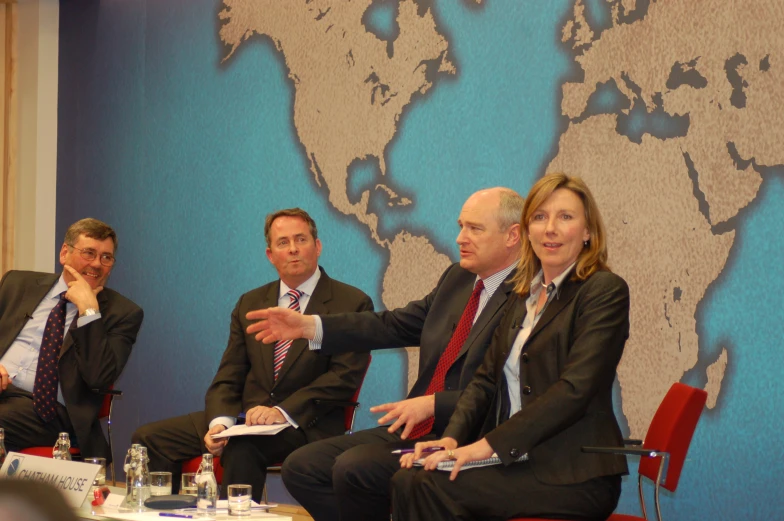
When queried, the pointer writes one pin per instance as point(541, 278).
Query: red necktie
point(46, 374)
point(282, 346)
point(448, 356)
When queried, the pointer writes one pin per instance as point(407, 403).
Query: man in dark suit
point(271, 384)
point(347, 477)
point(47, 391)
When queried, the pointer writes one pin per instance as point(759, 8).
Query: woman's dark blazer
point(567, 369)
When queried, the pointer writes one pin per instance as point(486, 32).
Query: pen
point(411, 451)
point(169, 514)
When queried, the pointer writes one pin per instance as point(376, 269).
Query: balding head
point(489, 238)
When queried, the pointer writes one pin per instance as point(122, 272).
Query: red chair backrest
point(45, 452)
point(192, 465)
point(671, 430)
point(350, 412)
point(106, 406)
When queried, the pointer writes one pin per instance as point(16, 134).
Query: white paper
point(448, 465)
point(246, 430)
point(73, 478)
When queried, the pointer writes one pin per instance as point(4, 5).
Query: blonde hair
point(591, 259)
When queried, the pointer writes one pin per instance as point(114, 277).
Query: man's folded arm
point(102, 349)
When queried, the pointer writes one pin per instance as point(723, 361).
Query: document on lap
point(248, 430)
point(447, 465)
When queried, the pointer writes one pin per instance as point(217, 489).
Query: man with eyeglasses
point(61, 336)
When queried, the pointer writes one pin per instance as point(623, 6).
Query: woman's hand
point(476, 451)
point(407, 460)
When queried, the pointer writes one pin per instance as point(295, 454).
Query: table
point(88, 512)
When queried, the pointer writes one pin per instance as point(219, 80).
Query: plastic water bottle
point(207, 488)
point(62, 447)
point(3, 453)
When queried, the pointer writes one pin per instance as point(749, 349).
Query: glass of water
point(239, 500)
point(160, 483)
point(100, 478)
point(189, 486)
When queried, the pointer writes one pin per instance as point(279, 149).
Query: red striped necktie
point(282, 346)
point(449, 355)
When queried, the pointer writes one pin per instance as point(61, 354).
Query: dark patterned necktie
point(282, 346)
point(449, 355)
point(46, 375)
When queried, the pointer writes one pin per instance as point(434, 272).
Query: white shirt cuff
point(288, 418)
point(83, 321)
point(318, 335)
point(226, 421)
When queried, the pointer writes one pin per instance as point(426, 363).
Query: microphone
point(28, 316)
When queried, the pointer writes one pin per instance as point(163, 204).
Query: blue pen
point(169, 514)
point(411, 451)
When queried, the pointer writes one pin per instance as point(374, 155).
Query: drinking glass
point(189, 486)
point(100, 478)
point(160, 483)
point(239, 500)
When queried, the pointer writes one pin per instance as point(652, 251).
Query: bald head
point(489, 237)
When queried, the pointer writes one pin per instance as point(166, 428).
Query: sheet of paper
point(247, 430)
point(146, 516)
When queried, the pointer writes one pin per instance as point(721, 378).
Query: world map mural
point(381, 117)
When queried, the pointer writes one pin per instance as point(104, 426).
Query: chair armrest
point(113, 392)
point(628, 451)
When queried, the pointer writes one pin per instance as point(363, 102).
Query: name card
point(73, 478)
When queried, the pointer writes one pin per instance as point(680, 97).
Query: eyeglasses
point(107, 259)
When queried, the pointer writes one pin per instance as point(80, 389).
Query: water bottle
point(207, 488)
point(131, 462)
point(62, 447)
point(137, 477)
point(3, 453)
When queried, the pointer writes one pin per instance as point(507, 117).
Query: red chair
point(350, 412)
point(104, 413)
point(664, 449)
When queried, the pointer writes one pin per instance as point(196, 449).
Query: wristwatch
point(88, 312)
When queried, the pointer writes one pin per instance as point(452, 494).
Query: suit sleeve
point(103, 346)
point(401, 327)
point(339, 382)
point(224, 396)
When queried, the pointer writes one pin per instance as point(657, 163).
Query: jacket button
point(515, 453)
point(527, 390)
point(524, 358)
point(272, 395)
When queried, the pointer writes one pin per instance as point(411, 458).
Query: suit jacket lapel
point(492, 307)
point(32, 295)
point(316, 305)
point(564, 295)
point(268, 350)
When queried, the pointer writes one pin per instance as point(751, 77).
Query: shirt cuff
point(226, 421)
point(288, 418)
point(318, 335)
point(83, 321)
